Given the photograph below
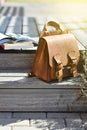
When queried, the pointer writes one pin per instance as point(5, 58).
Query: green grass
point(46, 0)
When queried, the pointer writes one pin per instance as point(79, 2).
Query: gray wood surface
point(39, 99)
point(21, 80)
point(16, 62)
point(11, 11)
point(4, 24)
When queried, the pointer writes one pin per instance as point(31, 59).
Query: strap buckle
point(73, 62)
point(59, 68)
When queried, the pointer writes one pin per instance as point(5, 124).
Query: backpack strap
point(59, 67)
point(73, 62)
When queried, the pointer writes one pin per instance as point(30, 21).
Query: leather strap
point(53, 24)
point(59, 68)
point(73, 63)
point(46, 32)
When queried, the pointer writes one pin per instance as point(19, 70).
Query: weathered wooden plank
point(15, 25)
point(11, 11)
point(37, 99)
point(13, 79)
point(21, 11)
point(25, 21)
point(15, 61)
point(1, 9)
point(25, 25)
point(7, 11)
point(31, 29)
point(13, 21)
point(10, 29)
point(14, 11)
point(1, 20)
point(4, 24)
point(18, 25)
point(81, 36)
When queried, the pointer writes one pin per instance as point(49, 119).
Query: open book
point(16, 38)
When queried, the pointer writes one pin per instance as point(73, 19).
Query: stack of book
point(17, 41)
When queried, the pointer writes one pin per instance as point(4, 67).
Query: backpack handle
point(52, 24)
point(47, 32)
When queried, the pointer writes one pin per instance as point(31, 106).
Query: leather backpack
point(57, 54)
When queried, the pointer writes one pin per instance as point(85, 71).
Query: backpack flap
point(64, 50)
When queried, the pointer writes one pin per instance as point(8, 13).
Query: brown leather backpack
point(57, 55)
